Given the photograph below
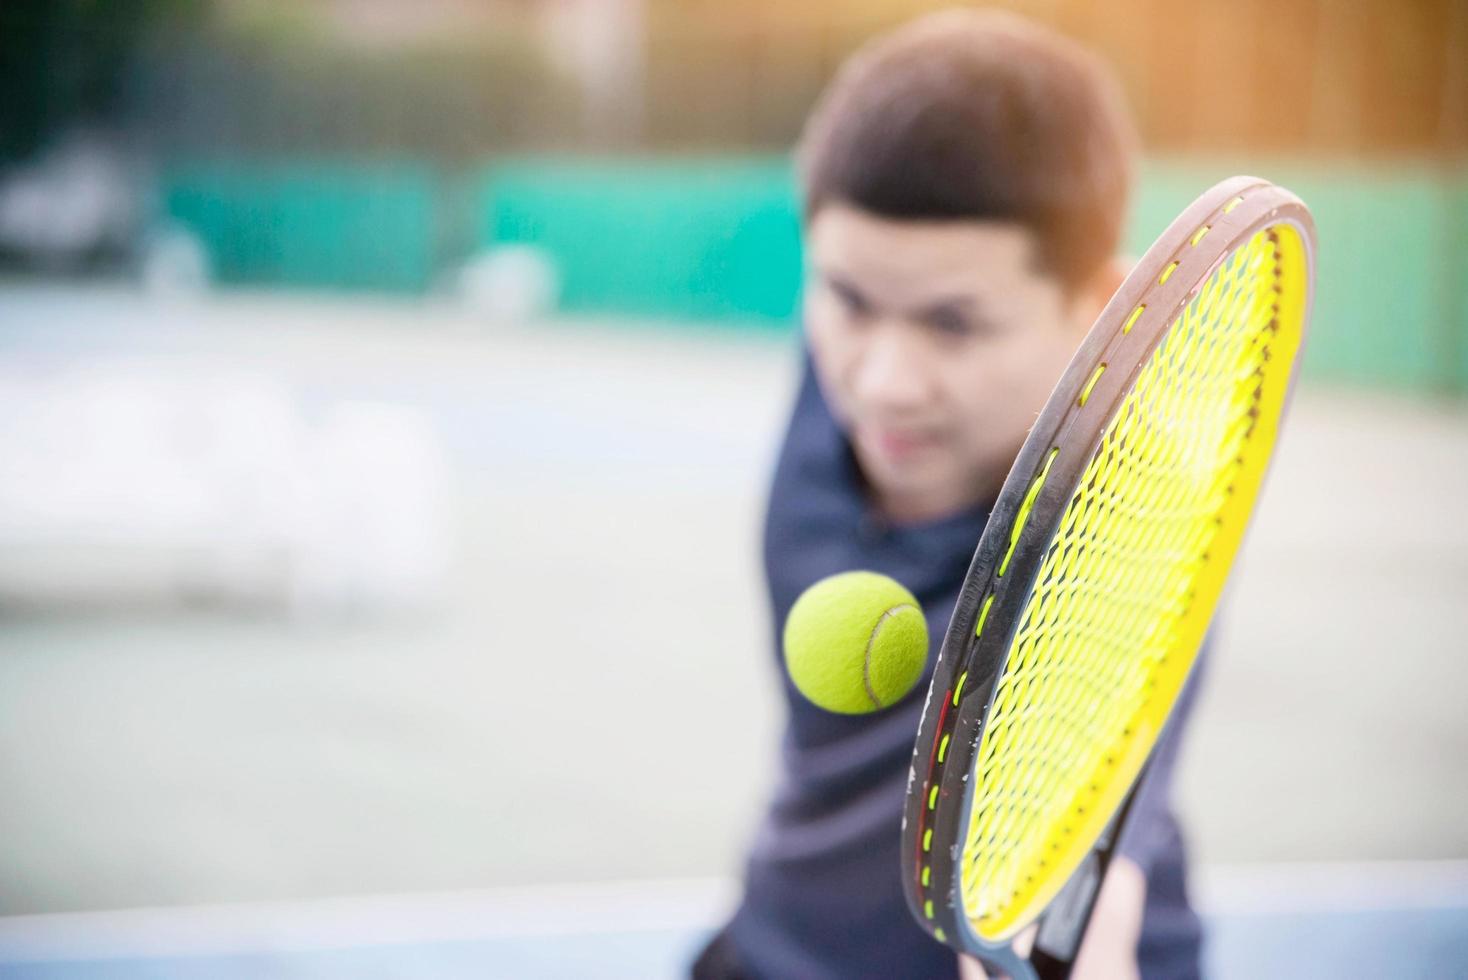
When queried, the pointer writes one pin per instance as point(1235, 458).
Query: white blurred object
point(175, 264)
point(145, 486)
point(370, 524)
point(77, 198)
point(509, 283)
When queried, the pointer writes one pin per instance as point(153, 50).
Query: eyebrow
point(950, 302)
point(918, 312)
point(841, 284)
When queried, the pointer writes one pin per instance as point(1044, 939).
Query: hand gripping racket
point(1097, 576)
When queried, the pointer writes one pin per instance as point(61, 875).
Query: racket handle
point(1064, 926)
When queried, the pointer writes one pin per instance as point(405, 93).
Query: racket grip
point(1064, 925)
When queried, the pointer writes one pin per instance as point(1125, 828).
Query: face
point(936, 345)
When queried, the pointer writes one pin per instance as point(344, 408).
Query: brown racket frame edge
point(1075, 431)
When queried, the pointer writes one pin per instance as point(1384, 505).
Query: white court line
point(622, 907)
point(1330, 886)
point(370, 920)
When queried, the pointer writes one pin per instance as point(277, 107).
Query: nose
point(892, 373)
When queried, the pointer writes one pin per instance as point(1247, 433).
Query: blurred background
point(389, 392)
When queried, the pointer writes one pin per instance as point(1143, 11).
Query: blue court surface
point(1357, 921)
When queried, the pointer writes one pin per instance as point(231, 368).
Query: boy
point(965, 182)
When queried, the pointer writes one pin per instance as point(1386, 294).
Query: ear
point(1088, 302)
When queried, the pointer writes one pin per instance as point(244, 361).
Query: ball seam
point(866, 660)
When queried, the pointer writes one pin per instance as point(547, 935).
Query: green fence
point(1391, 302)
point(323, 224)
point(695, 240)
point(716, 240)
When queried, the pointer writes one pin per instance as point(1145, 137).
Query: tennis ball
point(855, 642)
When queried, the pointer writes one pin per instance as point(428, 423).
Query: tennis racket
point(1096, 578)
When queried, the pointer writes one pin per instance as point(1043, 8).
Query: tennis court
point(230, 777)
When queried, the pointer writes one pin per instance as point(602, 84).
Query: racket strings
point(1073, 714)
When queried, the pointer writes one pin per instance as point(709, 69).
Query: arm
point(1109, 951)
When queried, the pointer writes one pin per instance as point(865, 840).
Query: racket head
point(1100, 567)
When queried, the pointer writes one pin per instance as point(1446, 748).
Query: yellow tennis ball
point(855, 642)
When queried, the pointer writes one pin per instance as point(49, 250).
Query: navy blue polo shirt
point(823, 895)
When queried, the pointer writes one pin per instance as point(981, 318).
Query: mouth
point(898, 444)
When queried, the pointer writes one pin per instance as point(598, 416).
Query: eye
point(950, 321)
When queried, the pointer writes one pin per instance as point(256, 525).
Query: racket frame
point(968, 669)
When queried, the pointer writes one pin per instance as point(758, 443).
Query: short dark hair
point(968, 114)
